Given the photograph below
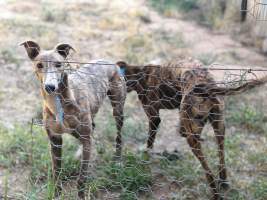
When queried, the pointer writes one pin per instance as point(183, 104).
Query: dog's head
point(48, 64)
point(134, 76)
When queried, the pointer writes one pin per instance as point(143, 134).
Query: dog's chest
point(70, 123)
point(50, 103)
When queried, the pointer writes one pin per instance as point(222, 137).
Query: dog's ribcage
point(90, 84)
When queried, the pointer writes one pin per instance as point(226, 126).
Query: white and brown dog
point(71, 100)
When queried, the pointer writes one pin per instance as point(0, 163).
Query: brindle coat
point(191, 88)
point(81, 94)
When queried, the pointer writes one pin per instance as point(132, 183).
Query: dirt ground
point(115, 30)
point(97, 29)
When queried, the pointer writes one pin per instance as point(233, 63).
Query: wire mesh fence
point(72, 98)
point(256, 8)
point(186, 130)
point(259, 10)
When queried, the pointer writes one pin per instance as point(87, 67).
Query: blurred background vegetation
point(138, 31)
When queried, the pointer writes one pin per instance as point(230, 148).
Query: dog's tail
point(213, 89)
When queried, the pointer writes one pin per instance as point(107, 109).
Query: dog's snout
point(50, 88)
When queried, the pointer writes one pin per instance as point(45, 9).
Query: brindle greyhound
point(71, 100)
point(191, 88)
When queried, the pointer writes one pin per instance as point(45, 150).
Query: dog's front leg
point(56, 154)
point(117, 96)
point(85, 140)
point(154, 121)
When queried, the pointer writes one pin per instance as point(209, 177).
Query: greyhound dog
point(191, 88)
point(71, 101)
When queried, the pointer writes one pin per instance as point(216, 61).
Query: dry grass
point(136, 33)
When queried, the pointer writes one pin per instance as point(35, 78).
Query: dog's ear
point(64, 49)
point(32, 48)
point(122, 64)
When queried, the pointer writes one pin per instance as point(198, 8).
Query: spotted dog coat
point(186, 85)
point(75, 96)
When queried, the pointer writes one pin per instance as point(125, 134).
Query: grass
point(207, 58)
point(184, 172)
point(54, 15)
point(17, 147)
point(259, 189)
point(140, 49)
point(248, 117)
point(233, 149)
point(247, 144)
point(20, 147)
point(136, 48)
point(46, 32)
point(176, 40)
point(130, 177)
point(167, 7)
point(209, 13)
point(9, 56)
point(32, 149)
point(135, 176)
point(132, 128)
point(5, 187)
point(258, 159)
point(108, 127)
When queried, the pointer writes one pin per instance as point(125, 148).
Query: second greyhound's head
point(48, 64)
point(134, 75)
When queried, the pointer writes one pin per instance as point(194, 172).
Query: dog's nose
point(50, 88)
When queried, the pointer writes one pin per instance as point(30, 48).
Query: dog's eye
point(39, 66)
point(58, 65)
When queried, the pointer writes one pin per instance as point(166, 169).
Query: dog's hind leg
point(193, 128)
point(56, 153)
point(195, 145)
point(217, 122)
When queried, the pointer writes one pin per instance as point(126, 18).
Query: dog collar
point(59, 110)
point(122, 71)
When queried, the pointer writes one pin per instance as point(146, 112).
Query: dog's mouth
point(55, 86)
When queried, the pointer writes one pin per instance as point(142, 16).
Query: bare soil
point(101, 29)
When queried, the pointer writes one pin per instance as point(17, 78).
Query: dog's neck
point(141, 92)
point(58, 102)
point(141, 88)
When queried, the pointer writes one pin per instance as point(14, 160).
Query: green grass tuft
point(21, 147)
point(249, 118)
point(130, 177)
point(164, 6)
point(259, 189)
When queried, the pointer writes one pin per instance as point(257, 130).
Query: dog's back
point(169, 72)
point(90, 83)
